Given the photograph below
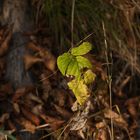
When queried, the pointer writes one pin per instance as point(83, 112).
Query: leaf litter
point(51, 104)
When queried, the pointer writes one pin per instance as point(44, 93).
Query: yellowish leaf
point(80, 90)
point(89, 76)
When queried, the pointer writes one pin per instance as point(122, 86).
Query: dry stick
point(109, 78)
point(72, 22)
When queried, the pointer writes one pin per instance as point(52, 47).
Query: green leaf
point(83, 62)
point(73, 68)
point(63, 61)
point(80, 90)
point(89, 77)
point(84, 48)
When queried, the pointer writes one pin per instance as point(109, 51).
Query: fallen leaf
point(4, 117)
point(27, 125)
point(100, 125)
point(37, 109)
point(34, 98)
point(117, 119)
point(79, 121)
point(33, 47)
point(5, 44)
point(11, 125)
point(16, 108)
point(19, 93)
point(50, 61)
point(132, 105)
point(29, 115)
point(63, 112)
point(53, 122)
point(102, 134)
point(30, 60)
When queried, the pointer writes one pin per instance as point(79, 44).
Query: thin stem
point(109, 77)
point(72, 22)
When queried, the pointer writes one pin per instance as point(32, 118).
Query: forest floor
point(49, 107)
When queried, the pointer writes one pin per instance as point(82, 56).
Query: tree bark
point(16, 13)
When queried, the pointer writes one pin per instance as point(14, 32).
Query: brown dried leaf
point(53, 122)
point(63, 112)
point(102, 135)
point(5, 45)
point(109, 114)
point(79, 121)
point(16, 108)
point(6, 88)
point(59, 96)
point(27, 125)
point(49, 59)
point(29, 115)
point(46, 86)
point(37, 109)
point(34, 47)
point(34, 98)
point(100, 125)
point(11, 125)
point(132, 106)
point(4, 117)
point(19, 92)
point(29, 61)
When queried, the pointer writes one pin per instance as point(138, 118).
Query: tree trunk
point(17, 13)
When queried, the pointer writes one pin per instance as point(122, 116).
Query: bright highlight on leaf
point(80, 90)
point(84, 48)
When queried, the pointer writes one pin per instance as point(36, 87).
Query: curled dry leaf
point(34, 47)
point(11, 125)
point(46, 85)
point(49, 59)
point(80, 119)
point(63, 112)
point(6, 88)
point(102, 135)
point(37, 109)
point(54, 123)
point(27, 125)
point(30, 60)
point(59, 96)
point(19, 92)
point(34, 98)
point(100, 125)
point(4, 117)
point(132, 105)
point(29, 115)
point(16, 108)
point(5, 45)
point(117, 119)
